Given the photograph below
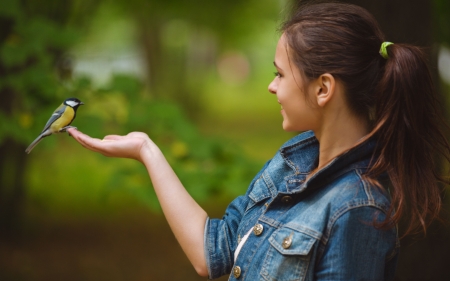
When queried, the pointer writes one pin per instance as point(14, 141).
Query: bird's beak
point(81, 103)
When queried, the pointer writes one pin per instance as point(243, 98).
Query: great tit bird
point(59, 121)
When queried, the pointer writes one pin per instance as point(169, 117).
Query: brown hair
point(395, 94)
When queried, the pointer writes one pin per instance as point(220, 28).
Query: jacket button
point(287, 242)
point(286, 199)
point(236, 271)
point(258, 229)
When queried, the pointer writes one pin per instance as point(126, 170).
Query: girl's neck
point(340, 133)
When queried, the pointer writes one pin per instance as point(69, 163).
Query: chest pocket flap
point(290, 242)
point(289, 257)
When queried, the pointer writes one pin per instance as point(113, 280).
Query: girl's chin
point(287, 127)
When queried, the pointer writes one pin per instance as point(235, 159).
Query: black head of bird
point(60, 120)
point(73, 102)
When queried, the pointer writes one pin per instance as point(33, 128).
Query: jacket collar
point(301, 153)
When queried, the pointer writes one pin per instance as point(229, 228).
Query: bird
point(59, 122)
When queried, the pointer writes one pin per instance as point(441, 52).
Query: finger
point(77, 134)
point(136, 134)
point(90, 144)
point(73, 131)
point(86, 141)
point(112, 137)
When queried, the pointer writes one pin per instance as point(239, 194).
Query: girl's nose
point(272, 87)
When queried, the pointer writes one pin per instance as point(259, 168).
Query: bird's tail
point(36, 141)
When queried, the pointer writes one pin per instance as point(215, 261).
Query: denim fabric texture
point(319, 229)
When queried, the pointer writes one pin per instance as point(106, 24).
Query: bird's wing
point(58, 112)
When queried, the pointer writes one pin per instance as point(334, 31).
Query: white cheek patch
point(72, 103)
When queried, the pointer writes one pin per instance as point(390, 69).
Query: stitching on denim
point(307, 266)
point(245, 225)
point(302, 229)
point(254, 250)
point(366, 187)
point(286, 149)
point(274, 249)
point(337, 175)
point(344, 209)
point(270, 185)
point(217, 255)
point(295, 180)
point(254, 200)
point(308, 140)
point(289, 181)
point(207, 242)
point(228, 253)
point(289, 162)
point(270, 221)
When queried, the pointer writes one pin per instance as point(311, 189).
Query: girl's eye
point(277, 74)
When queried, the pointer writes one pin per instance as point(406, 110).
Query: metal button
point(236, 271)
point(286, 199)
point(287, 242)
point(258, 229)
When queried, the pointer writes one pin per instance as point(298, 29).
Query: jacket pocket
point(288, 256)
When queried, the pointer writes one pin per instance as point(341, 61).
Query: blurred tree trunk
point(167, 66)
point(20, 67)
point(12, 162)
point(12, 156)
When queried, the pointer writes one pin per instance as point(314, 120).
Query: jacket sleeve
point(356, 250)
point(220, 236)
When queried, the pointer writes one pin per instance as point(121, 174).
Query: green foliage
point(33, 41)
point(442, 20)
point(207, 166)
point(36, 75)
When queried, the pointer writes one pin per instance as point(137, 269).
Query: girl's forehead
point(281, 52)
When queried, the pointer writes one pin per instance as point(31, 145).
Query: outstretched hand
point(128, 146)
point(186, 218)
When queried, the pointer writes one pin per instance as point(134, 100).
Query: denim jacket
point(319, 229)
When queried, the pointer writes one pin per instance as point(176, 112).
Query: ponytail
point(409, 137)
point(392, 89)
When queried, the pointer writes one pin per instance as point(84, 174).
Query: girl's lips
point(280, 105)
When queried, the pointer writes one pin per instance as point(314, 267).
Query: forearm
point(185, 217)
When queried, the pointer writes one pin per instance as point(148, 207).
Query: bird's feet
point(64, 129)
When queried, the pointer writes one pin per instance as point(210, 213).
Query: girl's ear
point(325, 88)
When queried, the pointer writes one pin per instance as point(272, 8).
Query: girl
point(326, 206)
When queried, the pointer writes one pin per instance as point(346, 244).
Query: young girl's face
point(296, 98)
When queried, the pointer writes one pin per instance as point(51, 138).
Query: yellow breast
point(65, 119)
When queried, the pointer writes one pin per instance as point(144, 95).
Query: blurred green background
point(191, 74)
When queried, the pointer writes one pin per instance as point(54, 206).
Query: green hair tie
point(383, 49)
